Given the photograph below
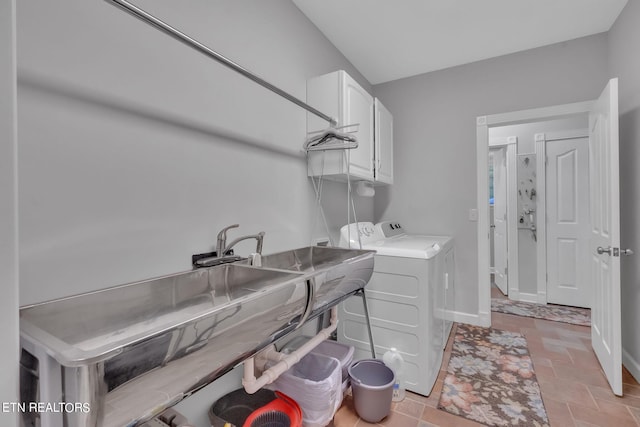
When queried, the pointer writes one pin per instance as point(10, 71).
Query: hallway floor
point(574, 389)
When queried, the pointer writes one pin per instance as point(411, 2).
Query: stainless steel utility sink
point(106, 348)
point(335, 273)
point(132, 351)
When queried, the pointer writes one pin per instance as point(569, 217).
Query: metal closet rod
point(180, 36)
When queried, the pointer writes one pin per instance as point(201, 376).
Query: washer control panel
point(357, 232)
point(390, 228)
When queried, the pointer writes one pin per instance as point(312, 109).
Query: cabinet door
point(358, 109)
point(383, 144)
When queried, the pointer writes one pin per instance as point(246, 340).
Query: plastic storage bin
point(342, 352)
point(315, 383)
point(330, 348)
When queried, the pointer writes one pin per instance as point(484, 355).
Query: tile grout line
point(633, 416)
point(593, 399)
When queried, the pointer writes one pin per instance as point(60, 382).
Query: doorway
point(483, 125)
point(547, 156)
point(604, 200)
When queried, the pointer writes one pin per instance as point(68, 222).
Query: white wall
point(135, 150)
point(9, 350)
point(435, 135)
point(624, 63)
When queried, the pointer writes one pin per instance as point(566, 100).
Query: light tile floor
point(574, 389)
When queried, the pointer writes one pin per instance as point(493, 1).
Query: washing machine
point(410, 298)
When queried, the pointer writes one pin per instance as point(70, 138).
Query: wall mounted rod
point(180, 36)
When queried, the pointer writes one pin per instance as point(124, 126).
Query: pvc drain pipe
point(285, 361)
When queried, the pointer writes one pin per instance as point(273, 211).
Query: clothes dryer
point(410, 298)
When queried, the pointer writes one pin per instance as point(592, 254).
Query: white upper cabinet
point(340, 96)
point(383, 153)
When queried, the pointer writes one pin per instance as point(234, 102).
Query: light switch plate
point(473, 214)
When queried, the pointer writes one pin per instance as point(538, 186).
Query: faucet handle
point(223, 233)
point(222, 239)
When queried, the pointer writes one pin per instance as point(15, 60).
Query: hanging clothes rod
point(180, 36)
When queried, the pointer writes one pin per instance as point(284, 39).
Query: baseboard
point(631, 364)
point(482, 319)
point(524, 297)
point(542, 297)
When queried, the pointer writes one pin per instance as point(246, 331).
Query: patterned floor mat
point(558, 313)
point(490, 379)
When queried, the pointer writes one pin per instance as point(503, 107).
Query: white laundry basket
point(342, 352)
point(315, 383)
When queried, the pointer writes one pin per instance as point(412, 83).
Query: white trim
point(513, 273)
point(538, 114)
point(567, 134)
point(631, 364)
point(541, 216)
point(482, 319)
point(482, 185)
point(527, 297)
point(499, 141)
point(483, 230)
point(542, 297)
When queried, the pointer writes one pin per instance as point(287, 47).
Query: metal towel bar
point(180, 36)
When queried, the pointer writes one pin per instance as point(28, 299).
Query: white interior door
point(605, 234)
point(568, 224)
point(500, 218)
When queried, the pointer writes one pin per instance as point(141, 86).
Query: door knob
point(602, 250)
point(626, 252)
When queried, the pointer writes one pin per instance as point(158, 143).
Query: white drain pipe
point(285, 361)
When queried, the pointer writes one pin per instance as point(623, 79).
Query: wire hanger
point(332, 138)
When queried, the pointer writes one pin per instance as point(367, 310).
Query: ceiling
point(392, 39)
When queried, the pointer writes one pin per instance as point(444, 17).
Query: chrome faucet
point(259, 238)
point(222, 256)
point(222, 248)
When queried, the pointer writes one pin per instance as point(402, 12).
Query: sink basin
point(90, 327)
point(335, 273)
point(132, 349)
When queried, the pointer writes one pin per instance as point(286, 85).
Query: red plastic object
point(283, 404)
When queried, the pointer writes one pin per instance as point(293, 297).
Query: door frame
point(483, 123)
point(511, 147)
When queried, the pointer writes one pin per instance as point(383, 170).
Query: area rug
point(557, 313)
point(490, 379)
